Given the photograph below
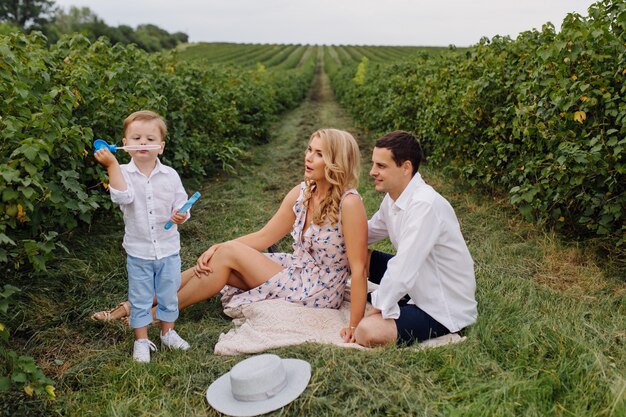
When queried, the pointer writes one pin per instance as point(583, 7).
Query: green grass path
point(550, 339)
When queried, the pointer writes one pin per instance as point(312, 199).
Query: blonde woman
point(328, 223)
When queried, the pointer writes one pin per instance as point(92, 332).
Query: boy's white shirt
point(147, 204)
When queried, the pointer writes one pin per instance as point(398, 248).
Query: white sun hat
point(258, 385)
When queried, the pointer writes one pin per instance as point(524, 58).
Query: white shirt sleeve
point(376, 228)
point(419, 234)
point(123, 197)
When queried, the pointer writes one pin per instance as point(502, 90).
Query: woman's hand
point(347, 333)
point(202, 265)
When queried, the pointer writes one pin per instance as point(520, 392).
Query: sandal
point(107, 315)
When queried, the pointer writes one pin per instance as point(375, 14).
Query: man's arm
point(377, 228)
point(419, 235)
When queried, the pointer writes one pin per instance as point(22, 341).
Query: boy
point(149, 194)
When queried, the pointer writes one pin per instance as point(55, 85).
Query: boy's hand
point(178, 218)
point(105, 157)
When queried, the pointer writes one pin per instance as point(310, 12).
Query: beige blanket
point(270, 324)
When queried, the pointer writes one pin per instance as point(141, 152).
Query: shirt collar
point(403, 201)
point(132, 167)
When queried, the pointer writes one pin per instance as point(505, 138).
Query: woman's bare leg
point(233, 264)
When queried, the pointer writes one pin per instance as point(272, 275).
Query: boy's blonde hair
point(343, 163)
point(146, 116)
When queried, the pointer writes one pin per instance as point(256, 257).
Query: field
point(550, 339)
point(288, 56)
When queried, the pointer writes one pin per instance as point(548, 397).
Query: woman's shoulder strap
point(344, 195)
point(302, 189)
point(348, 192)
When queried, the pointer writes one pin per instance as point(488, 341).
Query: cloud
point(373, 22)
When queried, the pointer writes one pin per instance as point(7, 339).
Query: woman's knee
point(223, 255)
point(228, 251)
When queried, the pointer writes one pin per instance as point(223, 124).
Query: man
point(432, 264)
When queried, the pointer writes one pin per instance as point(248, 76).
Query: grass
point(550, 339)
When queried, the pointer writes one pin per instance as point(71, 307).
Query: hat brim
point(220, 396)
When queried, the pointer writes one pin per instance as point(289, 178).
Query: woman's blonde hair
point(343, 163)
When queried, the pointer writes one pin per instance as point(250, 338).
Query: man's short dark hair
point(403, 146)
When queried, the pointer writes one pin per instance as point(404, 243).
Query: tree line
point(53, 21)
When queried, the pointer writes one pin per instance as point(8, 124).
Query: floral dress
point(315, 273)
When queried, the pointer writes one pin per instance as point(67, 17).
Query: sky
point(337, 22)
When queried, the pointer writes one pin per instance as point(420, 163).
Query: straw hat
point(258, 385)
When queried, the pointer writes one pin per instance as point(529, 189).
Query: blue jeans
point(147, 277)
point(414, 324)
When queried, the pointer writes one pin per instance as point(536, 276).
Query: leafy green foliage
point(535, 350)
point(18, 370)
point(542, 117)
point(56, 101)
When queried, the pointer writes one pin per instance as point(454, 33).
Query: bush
point(56, 101)
point(18, 371)
point(542, 117)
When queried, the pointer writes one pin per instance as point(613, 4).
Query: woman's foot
point(122, 310)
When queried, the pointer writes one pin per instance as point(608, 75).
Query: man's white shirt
point(432, 263)
point(147, 204)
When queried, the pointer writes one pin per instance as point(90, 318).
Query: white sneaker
point(173, 341)
point(141, 350)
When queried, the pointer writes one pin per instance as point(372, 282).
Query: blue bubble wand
point(185, 208)
point(100, 144)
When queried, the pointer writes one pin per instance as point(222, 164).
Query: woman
point(327, 221)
